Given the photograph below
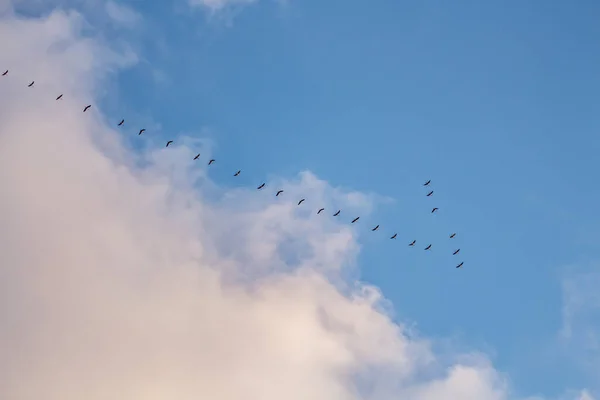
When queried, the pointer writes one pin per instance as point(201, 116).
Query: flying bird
point(434, 209)
point(355, 219)
point(320, 210)
point(59, 97)
point(279, 192)
point(5, 72)
point(168, 143)
point(31, 84)
point(211, 161)
point(430, 193)
point(121, 123)
point(337, 213)
point(412, 243)
point(374, 229)
point(142, 131)
point(428, 247)
point(456, 252)
point(237, 173)
point(86, 108)
point(260, 187)
point(427, 183)
point(197, 156)
point(300, 202)
point(452, 236)
point(460, 265)
point(394, 236)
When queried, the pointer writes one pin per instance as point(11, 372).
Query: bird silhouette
point(337, 213)
point(31, 84)
point(320, 211)
point(412, 243)
point(142, 131)
point(260, 187)
point(434, 209)
point(456, 252)
point(121, 123)
point(428, 247)
point(211, 161)
point(452, 236)
point(355, 219)
point(301, 201)
point(237, 173)
point(394, 236)
point(430, 193)
point(197, 156)
point(279, 192)
point(4, 73)
point(427, 183)
point(86, 108)
point(59, 97)
point(168, 143)
point(374, 229)
point(460, 265)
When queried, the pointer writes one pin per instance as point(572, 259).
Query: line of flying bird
point(279, 192)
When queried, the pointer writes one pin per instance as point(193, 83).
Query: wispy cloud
point(585, 395)
point(215, 5)
point(580, 332)
point(122, 14)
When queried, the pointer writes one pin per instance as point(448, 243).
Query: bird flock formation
point(279, 192)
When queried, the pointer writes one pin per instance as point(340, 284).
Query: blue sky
point(495, 102)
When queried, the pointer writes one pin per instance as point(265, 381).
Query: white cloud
point(128, 282)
